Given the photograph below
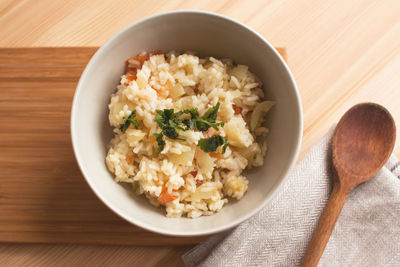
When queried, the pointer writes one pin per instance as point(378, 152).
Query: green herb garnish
point(208, 119)
point(193, 112)
point(211, 144)
point(188, 123)
point(211, 113)
point(204, 125)
point(170, 121)
point(160, 142)
point(128, 121)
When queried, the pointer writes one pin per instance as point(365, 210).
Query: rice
point(182, 177)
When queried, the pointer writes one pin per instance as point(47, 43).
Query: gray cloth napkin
point(367, 232)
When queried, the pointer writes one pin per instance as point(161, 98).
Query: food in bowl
point(185, 130)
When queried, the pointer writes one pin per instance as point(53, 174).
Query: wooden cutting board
point(43, 196)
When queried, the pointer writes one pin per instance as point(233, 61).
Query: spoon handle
point(325, 226)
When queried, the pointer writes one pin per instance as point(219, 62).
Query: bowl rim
point(211, 230)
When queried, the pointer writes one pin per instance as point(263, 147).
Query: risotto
point(185, 129)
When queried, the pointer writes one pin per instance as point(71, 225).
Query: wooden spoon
point(362, 143)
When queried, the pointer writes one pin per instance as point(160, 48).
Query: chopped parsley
point(211, 113)
point(208, 119)
point(128, 121)
point(211, 144)
point(170, 121)
point(160, 142)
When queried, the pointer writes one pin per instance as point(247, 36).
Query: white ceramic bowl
point(207, 34)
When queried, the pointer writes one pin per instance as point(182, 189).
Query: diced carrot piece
point(131, 77)
point(131, 73)
point(213, 154)
point(132, 70)
point(216, 155)
point(165, 197)
point(158, 52)
point(237, 109)
point(129, 159)
point(142, 58)
point(152, 138)
point(211, 132)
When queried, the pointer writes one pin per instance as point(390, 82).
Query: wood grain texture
point(80, 255)
point(43, 196)
point(341, 53)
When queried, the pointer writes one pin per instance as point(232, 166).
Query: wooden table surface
point(340, 52)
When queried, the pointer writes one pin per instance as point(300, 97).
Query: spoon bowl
point(363, 141)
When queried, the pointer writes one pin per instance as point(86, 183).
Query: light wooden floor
point(341, 53)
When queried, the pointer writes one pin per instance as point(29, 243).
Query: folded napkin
point(367, 232)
